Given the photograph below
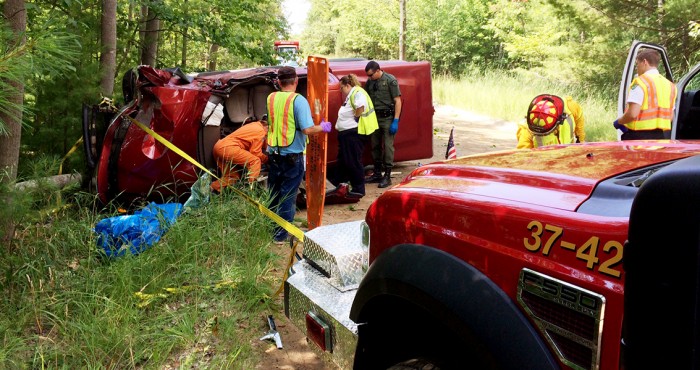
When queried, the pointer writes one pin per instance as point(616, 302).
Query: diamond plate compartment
point(309, 291)
point(337, 251)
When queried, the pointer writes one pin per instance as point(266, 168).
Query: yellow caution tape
point(290, 262)
point(71, 151)
point(148, 298)
point(295, 231)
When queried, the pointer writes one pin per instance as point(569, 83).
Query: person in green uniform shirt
point(383, 89)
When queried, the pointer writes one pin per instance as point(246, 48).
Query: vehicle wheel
point(415, 364)
point(412, 338)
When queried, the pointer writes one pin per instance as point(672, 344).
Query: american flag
point(451, 152)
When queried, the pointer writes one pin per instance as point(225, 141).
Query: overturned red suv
point(194, 111)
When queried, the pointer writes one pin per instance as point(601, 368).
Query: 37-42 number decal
point(544, 236)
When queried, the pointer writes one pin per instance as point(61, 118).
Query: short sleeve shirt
point(636, 94)
point(383, 90)
point(346, 113)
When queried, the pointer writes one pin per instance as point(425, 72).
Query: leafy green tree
point(46, 54)
point(362, 28)
point(453, 35)
point(244, 32)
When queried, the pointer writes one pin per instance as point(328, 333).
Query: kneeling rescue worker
point(550, 121)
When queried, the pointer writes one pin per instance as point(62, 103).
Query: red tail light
point(319, 332)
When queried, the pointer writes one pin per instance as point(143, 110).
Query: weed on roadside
point(194, 299)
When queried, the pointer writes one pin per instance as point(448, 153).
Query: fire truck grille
point(576, 352)
point(574, 322)
point(569, 317)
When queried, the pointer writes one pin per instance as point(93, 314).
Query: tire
point(402, 336)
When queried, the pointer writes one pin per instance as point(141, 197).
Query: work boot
point(376, 175)
point(386, 180)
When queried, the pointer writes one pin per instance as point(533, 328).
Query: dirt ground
point(473, 134)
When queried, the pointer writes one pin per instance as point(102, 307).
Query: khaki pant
point(383, 144)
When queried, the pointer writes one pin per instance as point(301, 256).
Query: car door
point(686, 121)
point(629, 72)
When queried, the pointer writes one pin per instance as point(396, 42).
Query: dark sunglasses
point(372, 74)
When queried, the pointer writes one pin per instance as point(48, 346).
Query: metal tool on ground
point(273, 334)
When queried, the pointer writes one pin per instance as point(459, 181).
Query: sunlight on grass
point(209, 279)
point(507, 96)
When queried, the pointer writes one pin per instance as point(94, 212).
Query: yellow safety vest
point(280, 111)
point(564, 134)
point(657, 107)
point(368, 119)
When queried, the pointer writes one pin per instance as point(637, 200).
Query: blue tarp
point(136, 232)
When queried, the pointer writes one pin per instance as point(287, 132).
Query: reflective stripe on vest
point(280, 110)
point(656, 111)
point(368, 119)
point(565, 135)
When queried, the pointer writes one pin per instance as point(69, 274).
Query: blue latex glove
point(620, 127)
point(326, 126)
point(394, 126)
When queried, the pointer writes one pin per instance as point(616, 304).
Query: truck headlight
point(364, 232)
point(364, 240)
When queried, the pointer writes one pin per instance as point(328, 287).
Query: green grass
point(64, 306)
point(507, 96)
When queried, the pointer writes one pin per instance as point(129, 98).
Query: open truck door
point(629, 73)
point(686, 121)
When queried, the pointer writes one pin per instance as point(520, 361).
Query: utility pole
point(402, 29)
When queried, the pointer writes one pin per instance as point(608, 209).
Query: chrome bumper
point(336, 249)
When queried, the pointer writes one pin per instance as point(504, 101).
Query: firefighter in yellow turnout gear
point(550, 121)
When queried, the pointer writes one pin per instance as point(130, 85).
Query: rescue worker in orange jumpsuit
point(242, 149)
point(650, 102)
point(571, 130)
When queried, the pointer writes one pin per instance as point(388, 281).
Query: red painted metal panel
point(507, 211)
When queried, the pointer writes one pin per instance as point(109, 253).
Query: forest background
point(66, 53)
point(64, 307)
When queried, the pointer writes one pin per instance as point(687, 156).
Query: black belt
point(291, 157)
point(384, 113)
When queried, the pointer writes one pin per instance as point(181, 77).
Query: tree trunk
point(108, 57)
point(402, 29)
point(59, 181)
point(183, 62)
point(213, 52)
point(661, 14)
point(150, 39)
point(15, 13)
point(143, 17)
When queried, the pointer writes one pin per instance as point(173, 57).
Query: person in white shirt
point(650, 102)
point(356, 119)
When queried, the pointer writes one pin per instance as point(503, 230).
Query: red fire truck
point(581, 256)
point(285, 46)
point(287, 52)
